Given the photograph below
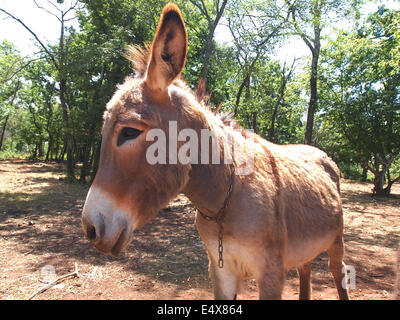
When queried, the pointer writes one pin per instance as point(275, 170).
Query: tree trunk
point(86, 157)
point(41, 149)
point(68, 136)
point(272, 137)
point(34, 155)
point(379, 184)
point(62, 154)
point(390, 183)
point(248, 97)
point(96, 160)
point(55, 152)
point(91, 158)
point(212, 25)
point(239, 94)
point(364, 174)
point(312, 106)
point(49, 147)
point(254, 122)
point(246, 79)
point(280, 100)
point(3, 130)
point(207, 55)
point(314, 44)
point(64, 107)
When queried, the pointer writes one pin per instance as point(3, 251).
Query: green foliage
point(274, 96)
point(10, 63)
point(350, 171)
point(361, 95)
point(357, 121)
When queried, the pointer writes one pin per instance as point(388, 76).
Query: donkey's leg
point(270, 284)
point(336, 265)
point(304, 272)
point(225, 282)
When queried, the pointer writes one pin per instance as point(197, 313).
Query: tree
point(361, 97)
point(307, 20)
point(58, 56)
point(271, 105)
point(284, 77)
point(38, 97)
point(106, 28)
point(256, 27)
point(213, 12)
point(394, 27)
point(10, 84)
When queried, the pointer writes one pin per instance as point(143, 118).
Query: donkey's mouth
point(122, 242)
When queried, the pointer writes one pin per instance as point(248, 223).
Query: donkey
point(281, 215)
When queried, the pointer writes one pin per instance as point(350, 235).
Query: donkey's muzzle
point(108, 238)
point(105, 225)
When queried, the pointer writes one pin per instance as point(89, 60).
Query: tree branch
point(395, 180)
point(202, 9)
point(20, 69)
point(72, 7)
point(74, 274)
point(375, 172)
point(305, 38)
point(49, 12)
point(51, 56)
point(54, 6)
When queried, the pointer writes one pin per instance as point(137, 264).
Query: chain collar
point(219, 218)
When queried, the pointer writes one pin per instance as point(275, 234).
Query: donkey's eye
point(127, 133)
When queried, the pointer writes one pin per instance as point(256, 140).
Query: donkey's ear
point(168, 51)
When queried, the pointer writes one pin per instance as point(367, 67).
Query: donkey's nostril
point(93, 227)
point(91, 233)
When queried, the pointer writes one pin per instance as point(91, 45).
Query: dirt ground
point(41, 239)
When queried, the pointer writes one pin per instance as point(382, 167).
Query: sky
point(294, 46)
point(47, 27)
point(42, 23)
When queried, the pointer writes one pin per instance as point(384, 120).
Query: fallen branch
point(74, 274)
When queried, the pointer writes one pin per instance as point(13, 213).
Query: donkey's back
point(310, 196)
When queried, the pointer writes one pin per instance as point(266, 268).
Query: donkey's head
point(128, 190)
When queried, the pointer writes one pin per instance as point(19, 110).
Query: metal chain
point(219, 219)
point(220, 247)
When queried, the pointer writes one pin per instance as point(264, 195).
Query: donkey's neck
point(208, 184)
point(208, 187)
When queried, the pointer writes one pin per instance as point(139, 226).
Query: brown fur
point(282, 215)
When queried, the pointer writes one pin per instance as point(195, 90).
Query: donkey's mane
point(139, 57)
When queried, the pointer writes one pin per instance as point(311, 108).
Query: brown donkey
point(260, 223)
